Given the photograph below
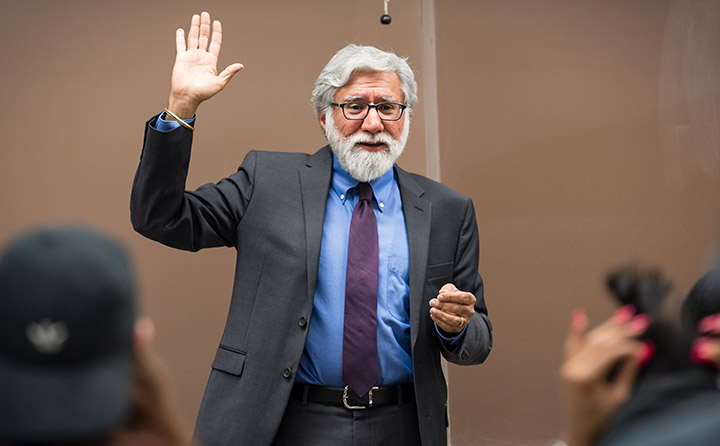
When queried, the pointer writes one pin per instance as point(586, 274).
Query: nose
point(372, 122)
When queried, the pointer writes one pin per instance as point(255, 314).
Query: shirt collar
point(342, 182)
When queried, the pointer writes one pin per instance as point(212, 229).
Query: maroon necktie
point(360, 361)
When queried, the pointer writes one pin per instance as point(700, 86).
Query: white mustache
point(380, 138)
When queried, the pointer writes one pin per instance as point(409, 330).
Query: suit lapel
point(314, 184)
point(418, 213)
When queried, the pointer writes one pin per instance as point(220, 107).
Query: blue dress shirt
point(321, 362)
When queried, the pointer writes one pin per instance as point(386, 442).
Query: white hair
point(354, 58)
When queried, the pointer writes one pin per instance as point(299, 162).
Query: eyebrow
point(350, 98)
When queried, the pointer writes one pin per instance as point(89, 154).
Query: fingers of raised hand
point(624, 322)
point(591, 355)
point(230, 71)
point(578, 328)
point(204, 35)
point(710, 324)
point(706, 350)
point(180, 40)
point(199, 34)
point(194, 32)
point(594, 360)
point(216, 41)
point(617, 334)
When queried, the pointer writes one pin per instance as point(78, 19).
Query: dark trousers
point(314, 424)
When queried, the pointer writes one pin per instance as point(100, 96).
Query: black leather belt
point(339, 396)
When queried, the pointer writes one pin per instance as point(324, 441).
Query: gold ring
point(462, 322)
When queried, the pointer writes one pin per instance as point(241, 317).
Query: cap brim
point(63, 403)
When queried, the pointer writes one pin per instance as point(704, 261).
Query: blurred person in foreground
point(642, 377)
point(75, 363)
point(353, 277)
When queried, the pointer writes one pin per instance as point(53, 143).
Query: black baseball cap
point(67, 312)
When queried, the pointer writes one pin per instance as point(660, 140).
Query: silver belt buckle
point(345, 399)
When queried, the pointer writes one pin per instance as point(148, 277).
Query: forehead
point(371, 85)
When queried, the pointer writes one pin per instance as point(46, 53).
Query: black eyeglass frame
point(367, 112)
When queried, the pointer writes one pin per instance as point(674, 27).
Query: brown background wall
point(586, 133)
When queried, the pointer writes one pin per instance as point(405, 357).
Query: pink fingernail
point(700, 352)
point(639, 323)
point(709, 323)
point(577, 318)
point(624, 314)
point(646, 352)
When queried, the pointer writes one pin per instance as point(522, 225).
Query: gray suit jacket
point(271, 210)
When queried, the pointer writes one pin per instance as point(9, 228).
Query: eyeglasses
point(356, 110)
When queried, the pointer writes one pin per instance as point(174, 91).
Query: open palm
point(195, 77)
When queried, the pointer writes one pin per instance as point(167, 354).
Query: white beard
point(361, 164)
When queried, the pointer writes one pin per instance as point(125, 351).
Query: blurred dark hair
point(703, 299)
point(647, 290)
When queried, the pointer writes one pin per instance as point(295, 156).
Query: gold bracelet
point(181, 121)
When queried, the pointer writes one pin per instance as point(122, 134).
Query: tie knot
point(365, 192)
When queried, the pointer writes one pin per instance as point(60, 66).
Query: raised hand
point(195, 78)
point(590, 356)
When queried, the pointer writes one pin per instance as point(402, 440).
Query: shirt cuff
point(454, 339)
point(165, 126)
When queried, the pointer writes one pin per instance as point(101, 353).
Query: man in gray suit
point(279, 374)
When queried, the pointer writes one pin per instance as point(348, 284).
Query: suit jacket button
point(302, 322)
point(287, 373)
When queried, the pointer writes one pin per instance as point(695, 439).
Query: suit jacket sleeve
point(476, 342)
point(162, 210)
